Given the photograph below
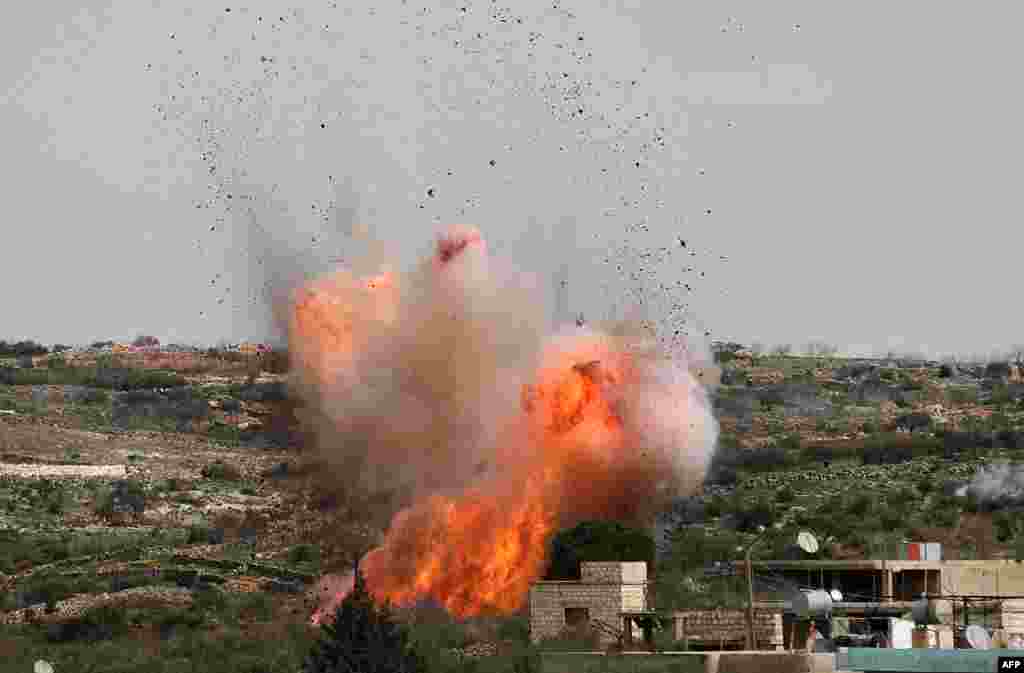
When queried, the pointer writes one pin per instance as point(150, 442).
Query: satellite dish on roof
point(837, 595)
point(806, 541)
point(977, 637)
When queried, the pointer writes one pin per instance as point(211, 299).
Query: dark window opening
point(577, 617)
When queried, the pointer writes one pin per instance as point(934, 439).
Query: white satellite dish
point(806, 541)
point(837, 595)
point(977, 637)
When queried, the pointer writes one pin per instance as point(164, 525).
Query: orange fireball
point(597, 430)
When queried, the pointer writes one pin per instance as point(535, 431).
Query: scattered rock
point(127, 497)
point(914, 422)
point(279, 471)
point(84, 394)
point(285, 586)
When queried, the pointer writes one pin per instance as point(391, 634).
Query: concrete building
point(613, 598)
point(891, 581)
point(986, 593)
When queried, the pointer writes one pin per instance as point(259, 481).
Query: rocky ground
point(191, 508)
point(142, 500)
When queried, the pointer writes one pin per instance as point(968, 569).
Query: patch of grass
point(193, 648)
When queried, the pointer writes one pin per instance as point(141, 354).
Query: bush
point(1006, 526)
point(724, 357)
point(221, 471)
point(122, 496)
point(860, 505)
point(748, 517)
point(785, 495)
point(304, 553)
point(516, 629)
point(790, 441)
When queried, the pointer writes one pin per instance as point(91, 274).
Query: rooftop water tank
point(812, 604)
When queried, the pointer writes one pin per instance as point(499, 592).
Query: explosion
point(444, 385)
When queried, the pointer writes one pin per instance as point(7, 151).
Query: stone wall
point(606, 590)
point(613, 572)
point(548, 601)
point(717, 627)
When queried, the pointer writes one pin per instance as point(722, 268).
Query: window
point(576, 617)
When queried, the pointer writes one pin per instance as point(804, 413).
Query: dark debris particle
point(492, 162)
point(323, 125)
point(430, 192)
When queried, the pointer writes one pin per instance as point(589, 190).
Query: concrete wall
point(991, 578)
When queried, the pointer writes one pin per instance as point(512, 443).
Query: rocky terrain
point(139, 508)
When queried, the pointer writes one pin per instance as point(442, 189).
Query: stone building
point(604, 591)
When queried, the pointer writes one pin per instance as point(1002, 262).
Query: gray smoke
point(998, 485)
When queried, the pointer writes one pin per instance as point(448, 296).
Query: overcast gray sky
point(839, 171)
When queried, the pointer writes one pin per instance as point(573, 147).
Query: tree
point(363, 638)
point(681, 580)
point(597, 541)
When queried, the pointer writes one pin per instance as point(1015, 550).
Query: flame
point(600, 428)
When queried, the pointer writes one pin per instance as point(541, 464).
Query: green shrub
point(785, 495)
point(198, 535)
point(962, 394)
point(1006, 525)
point(859, 505)
point(224, 433)
point(304, 553)
point(221, 471)
point(790, 441)
point(946, 517)
point(515, 628)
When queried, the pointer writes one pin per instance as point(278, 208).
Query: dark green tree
point(364, 638)
point(597, 541)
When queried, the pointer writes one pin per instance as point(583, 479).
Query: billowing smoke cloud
point(446, 386)
point(998, 485)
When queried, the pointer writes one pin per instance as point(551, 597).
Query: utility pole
point(750, 589)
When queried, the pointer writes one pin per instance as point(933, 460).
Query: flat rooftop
point(867, 564)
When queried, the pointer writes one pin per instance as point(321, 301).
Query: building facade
point(605, 591)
